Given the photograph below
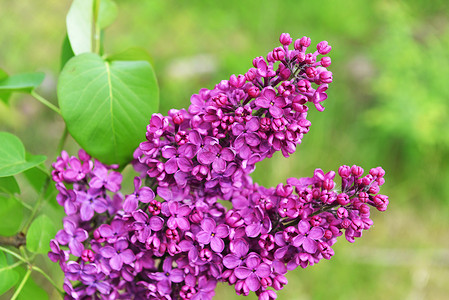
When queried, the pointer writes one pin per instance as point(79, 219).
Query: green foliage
point(31, 290)
point(107, 14)
point(8, 276)
point(66, 52)
point(9, 185)
point(134, 53)
point(79, 26)
point(38, 237)
point(25, 83)
point(13, 159)
point(11, 214)
point(107, 105)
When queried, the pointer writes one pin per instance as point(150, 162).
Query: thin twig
point(45, 102)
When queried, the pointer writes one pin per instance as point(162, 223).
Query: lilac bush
point(172, 238)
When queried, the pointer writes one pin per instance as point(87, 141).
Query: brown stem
point(15, 240)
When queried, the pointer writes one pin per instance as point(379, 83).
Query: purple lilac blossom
point(171, 238)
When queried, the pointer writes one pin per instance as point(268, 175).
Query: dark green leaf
point(66, 52)
point(24, 82)
point(107, 14)
point(8, 277)
point(134, 53)
point(107, 105)
point(41, 231)
point(9, 185)
point(12, 156)
point(79, 26)
point(11, 215)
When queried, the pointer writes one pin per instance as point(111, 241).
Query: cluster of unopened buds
point(172, 238)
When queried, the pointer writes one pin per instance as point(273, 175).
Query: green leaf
point(31, 290)
point(8, 277)
point(107, 105)
point(66, 52)
point(11, 214)
point(134, 53)
point(24, 82)
point(107, 14)
point(41, 231)
point(9, 185)
point(13, 159)
point(79, 26)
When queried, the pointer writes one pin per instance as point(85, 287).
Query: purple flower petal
point(171, 166)
point(263, 270)
point(168, 152)
point(241, 248)
point(253, 261)
point(253, 230)
point(252, 282)
point(222, 231)
point(105, 230)
point(203, 237)
point(316, 233)
point(219, 165)
point(176, 275)
point(208, 225)
point(76, 247)
point(116, 262)
point(183, 223)
point(206, 157)
point(156, 223)
point(262, 102)
point(107, 251)
point(242, 272)
point(252, 139)
point(303, 227)
point(231, 261)
point(130, 204)
point(217, 244)
point(276, 112)
point(185, 164)
point(128, 256)
point(310, 245)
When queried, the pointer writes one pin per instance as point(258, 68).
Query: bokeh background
point(388, 106)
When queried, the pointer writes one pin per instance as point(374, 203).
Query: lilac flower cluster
point(172, 238)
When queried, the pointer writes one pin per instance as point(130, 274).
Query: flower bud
point(325, 61)
point(323, 47)
point(285, 39)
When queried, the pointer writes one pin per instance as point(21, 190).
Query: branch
point(15, 240)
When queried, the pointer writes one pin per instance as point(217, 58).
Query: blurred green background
point(388, 106)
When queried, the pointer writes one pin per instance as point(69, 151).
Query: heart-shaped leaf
point(13, 159)
point(24, 82)
point(79, 23)
point(8, 277)
point(107, 105)
point(11, 214)
point(41, 231)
